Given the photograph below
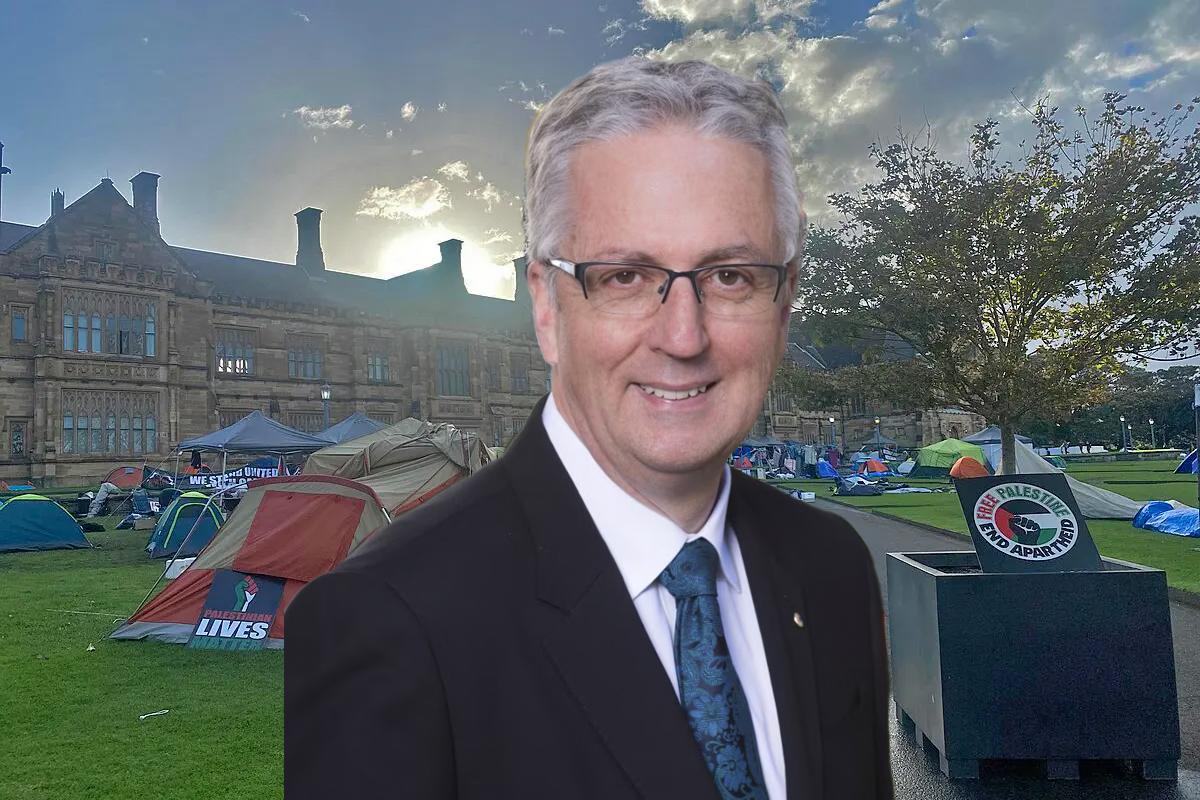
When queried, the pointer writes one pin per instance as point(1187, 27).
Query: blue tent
point(1190, 465)
point(824, 470)
point(34, 522)
point(187, 525)
point(356, 425)
point(256, 433)
point(1164, 517)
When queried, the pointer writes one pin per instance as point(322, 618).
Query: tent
point(34, 522)
point(936, 460)
point(991, 435)
point(353, 426)
point(406, 463)
point(1094, 502)
point(825, 469)
point(874, 468)
point(877, 441)
point(189, 523)
point(293, 527)
point(130, 477)
point(906, 467)
point(1190, 465)
point(1168, 517)
point(967, 467)
point(256, 433)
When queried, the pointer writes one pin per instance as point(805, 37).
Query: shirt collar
point(642, 541)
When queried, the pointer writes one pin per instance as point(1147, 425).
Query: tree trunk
point(1008, 449)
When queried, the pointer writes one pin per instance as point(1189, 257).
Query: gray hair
point(635, 94)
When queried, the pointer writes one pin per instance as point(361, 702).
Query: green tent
point(185, 527)
point(936, 460)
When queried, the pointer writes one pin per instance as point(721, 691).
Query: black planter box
point(1059, 667)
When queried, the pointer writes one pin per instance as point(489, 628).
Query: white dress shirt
point(643, 542)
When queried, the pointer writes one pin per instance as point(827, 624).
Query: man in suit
point(609, 611)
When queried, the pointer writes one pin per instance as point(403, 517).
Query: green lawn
point(1153, 480)
point(69, 716)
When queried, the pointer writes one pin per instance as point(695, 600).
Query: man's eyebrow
point(742, 252)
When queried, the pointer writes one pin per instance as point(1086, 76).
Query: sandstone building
point(115, 345)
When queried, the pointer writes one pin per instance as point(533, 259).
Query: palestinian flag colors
point(1026, 523)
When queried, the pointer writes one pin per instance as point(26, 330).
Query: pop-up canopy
point(256, 433)
point(356, 425)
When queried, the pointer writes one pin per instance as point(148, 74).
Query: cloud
point(324, 118)
point(532, 105)
point(441, 106)
point(553, 31)
point(415, 152)
point(526, 32)
point(456, 170)
point(616, 29)
point(303, 17)
point(698, 12)
point(496, 236)
point(409, 111)
point(145, 40)
point(418, 199)
point(948, 63)
point(390, 134)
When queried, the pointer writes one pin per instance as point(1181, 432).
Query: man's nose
point(679, 326)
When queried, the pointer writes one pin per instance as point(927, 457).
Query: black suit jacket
point(485, 646)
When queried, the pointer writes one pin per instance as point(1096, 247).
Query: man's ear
point(545, 310)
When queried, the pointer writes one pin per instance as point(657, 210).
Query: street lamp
point(1129, 427)
point(1123, 432)
point(326, 393)
point(832, 433)
point(1151, 434)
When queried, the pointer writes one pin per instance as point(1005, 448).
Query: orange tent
point(294, 528)
point(967, 467)
point(125, 477)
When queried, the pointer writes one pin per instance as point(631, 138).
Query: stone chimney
point(145, 197)
point(308, 242)
point(449, 269)
point(57, 203)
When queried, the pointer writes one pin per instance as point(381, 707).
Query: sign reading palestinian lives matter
point(1027, 523)
point(238, 612)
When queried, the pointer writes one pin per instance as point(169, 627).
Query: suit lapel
point(592, 633)
point(778, 596)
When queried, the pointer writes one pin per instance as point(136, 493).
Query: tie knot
point(693, 572)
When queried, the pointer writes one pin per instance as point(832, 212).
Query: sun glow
point(483, 273)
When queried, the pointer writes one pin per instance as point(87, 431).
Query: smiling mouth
point(673, 394)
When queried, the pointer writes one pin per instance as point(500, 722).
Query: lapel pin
point(797, 619)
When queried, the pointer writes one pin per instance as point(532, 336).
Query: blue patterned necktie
point(708, 685)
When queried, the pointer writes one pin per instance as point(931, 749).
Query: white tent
point(1094, 502)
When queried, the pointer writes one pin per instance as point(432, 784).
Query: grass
point(1154, 480)
point(70, 716)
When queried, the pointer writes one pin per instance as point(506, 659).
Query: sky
point(406, 122)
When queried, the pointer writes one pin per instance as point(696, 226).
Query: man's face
point(669, 197)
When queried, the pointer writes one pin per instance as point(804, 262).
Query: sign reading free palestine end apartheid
point(238, 612)
point(1027, 523)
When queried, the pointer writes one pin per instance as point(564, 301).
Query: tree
point(1020, 285)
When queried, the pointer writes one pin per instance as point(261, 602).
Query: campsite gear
point(187, 525)
point(936, 460)
point(857, 487)
point(1190, 465)
point(356, 425)
point(167, 496)
point(34, 522)
point(140, 502)
point(825, 469)
point(991, 435)
point(406, 463)
point(906, 467)
point(1168, 516)
point(1094, 502)
point(253, 433)
point(709, 689)
point(967, 467)
point(294, 528)
point(98, 502)
point(874, 468)
point(196, 463)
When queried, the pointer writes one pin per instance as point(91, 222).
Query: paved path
point(917, 775)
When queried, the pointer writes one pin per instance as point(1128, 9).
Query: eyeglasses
point(732, 291)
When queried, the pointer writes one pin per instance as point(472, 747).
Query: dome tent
point(33, 522)
point(185, 527)
point(293, 528)
point(936, 460)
